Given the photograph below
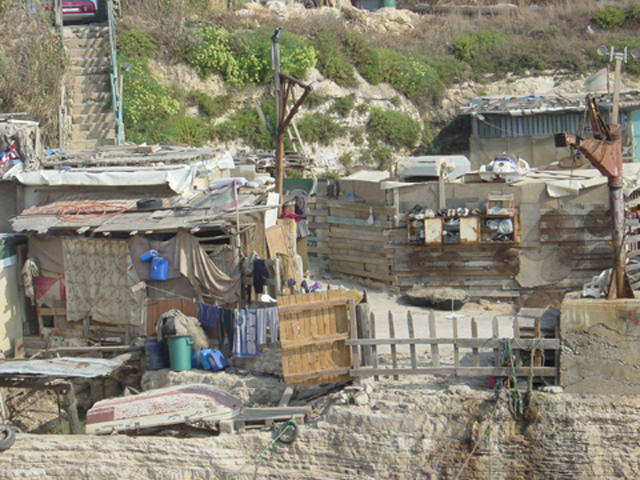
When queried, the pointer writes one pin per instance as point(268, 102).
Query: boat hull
point(162, 407)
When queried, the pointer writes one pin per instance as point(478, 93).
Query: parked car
point(76, 11)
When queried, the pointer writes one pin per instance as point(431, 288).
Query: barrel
point(387, 3)
point(180, 352)
point(154, 354)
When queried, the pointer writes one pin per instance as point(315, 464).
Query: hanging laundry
point(246, 334)
point(225, 329)
point(208, 314)
point(268, 321)
point(260, 275)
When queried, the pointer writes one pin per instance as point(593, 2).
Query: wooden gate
point(157, 307)
point(313, 331)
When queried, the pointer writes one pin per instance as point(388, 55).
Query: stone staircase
point(89, 89)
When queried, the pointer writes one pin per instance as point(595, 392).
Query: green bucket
point(388, 3)
point(180, 352)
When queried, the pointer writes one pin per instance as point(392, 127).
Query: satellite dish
point(635, 53)
point(602, 50)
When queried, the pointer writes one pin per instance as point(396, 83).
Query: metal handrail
point(114, 74)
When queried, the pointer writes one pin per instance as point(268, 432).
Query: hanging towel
point(226, 327)
point(268, 321)
point(246, 334)
point(208, 314)
point(260, 275)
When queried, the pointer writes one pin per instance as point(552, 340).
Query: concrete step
point(87, 88)
point(93, 42)
point(93, 135)
point(94, 118)
point(93, 79)
point(91, 62)
point(85, 31)
point(90, 97)
point(85, 144)
point(91, 127)
point(100, 52)
point(83, 71)
point(89, 109)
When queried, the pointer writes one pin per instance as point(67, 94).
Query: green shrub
point(609, 18)
point(364, 57)
point(633, 13)
point(394, 128)
point(377, 155)
point(342, 106)
point(319, 128)
point(346, 159)
point(181, 129)
point(333, 62)
point(146, 103)
point(362, 108)
point(209, 107)
point(244, 124)
point(136, 43)
point(469, 46)
point(315, 99)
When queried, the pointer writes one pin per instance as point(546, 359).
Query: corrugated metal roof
point(62, 367)
point(536, 104)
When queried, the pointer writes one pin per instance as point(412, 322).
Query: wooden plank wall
point(357, 247)
point(573, 246)
point(313, 330)
point(318, 239)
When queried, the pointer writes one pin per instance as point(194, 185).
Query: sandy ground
point(383, 303)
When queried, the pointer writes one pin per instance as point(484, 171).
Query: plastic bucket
point(180, 352)
point(154, 354)
point(159, 268)
point(148, 256)
point(388, 3)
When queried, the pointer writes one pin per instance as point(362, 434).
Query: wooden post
point(392, 335)
point(72, 411)
point(474, 334)
point(456, 349)
point(496, 334)
point(353, 331)
point(435, 348)
point(412, 346)
point(364, 331)
point(516, 336)
point(373, 350)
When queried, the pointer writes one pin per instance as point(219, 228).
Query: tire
point(290, 434)
point(310, 4)
point(148, 203)
point(9, 437)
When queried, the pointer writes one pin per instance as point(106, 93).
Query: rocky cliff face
point(407, 431)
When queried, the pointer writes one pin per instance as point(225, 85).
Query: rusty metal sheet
point(62, 367)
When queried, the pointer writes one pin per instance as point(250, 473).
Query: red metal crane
point(604, 151)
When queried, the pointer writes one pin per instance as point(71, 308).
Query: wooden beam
point(317, 340)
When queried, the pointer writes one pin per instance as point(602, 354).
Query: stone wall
point(600, 351)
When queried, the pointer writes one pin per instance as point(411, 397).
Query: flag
point(226, 198)
point(598, 82)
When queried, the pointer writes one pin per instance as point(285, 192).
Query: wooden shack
point(560, 239)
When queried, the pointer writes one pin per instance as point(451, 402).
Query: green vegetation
point(342, 106)
point(135, 43)
point(207, 106)
point(609, 18)
point(244, 124)
point(315, 99)
point(320, 128)
point(333, 61)
point(396, 129)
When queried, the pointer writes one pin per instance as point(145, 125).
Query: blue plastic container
point(148, 256)
point(154, 354)
point(212, 359)
point(159, 268)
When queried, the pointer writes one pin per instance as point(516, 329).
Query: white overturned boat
point(161, 407)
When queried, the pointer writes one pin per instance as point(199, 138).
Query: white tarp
point(179, 179)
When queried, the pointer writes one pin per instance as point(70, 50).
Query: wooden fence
point(510, 356)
